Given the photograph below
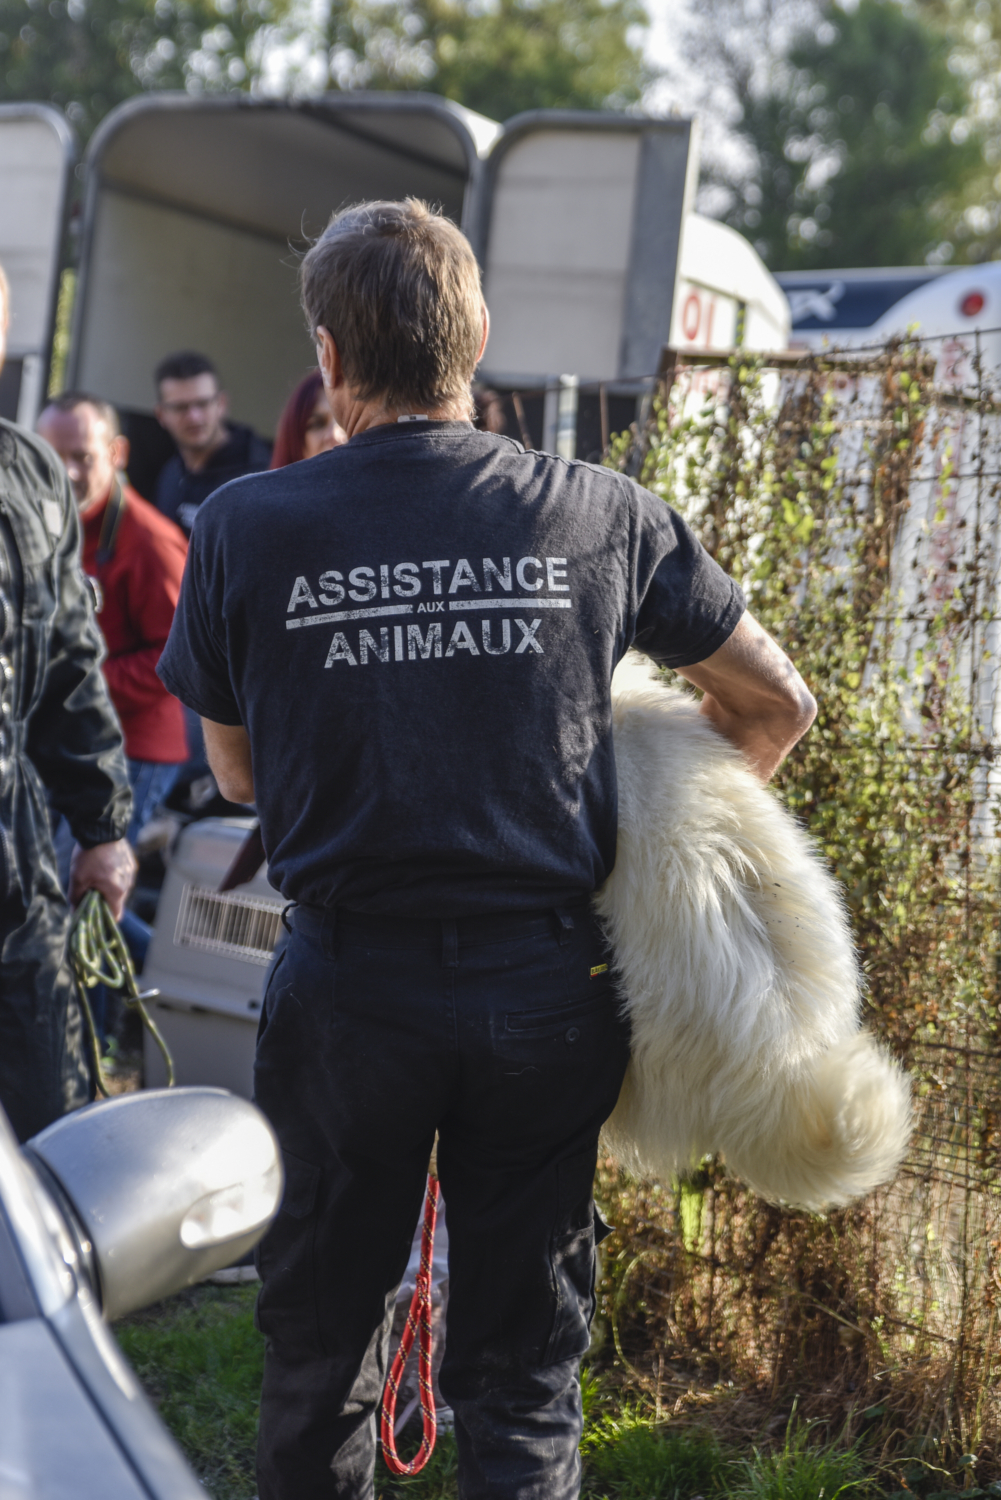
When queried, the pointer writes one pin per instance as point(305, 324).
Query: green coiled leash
point(98, 955)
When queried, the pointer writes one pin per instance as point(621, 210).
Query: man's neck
point(195, 459)
point(359, 416)
point(94, 507)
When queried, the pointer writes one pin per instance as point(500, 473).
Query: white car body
point(957, 312)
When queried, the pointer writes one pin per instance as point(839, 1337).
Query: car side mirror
point(161, 1188)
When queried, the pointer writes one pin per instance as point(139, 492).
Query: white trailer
point(37, 153)
point(195, 210)
point(593, 261)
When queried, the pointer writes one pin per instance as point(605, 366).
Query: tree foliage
point(973, 30)
point(86, 56)
point(855, 143)
point(500, 59)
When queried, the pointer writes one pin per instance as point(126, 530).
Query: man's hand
point(108, 868)
point(754, 696)
point(228, 750)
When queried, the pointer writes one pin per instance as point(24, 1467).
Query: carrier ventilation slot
point(235, 926)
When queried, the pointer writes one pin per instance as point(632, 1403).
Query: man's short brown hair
point(184, 365)
point(398, 288)
point(70, 400)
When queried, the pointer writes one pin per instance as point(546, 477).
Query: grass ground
point(200, 1359)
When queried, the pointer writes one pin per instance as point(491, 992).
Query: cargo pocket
point(286, 1304)
point(572, 1258)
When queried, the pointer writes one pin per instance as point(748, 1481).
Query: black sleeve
point(74, 740)
point(194, 665)
point(686, 607)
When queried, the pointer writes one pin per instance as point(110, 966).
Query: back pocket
point(555, 1016)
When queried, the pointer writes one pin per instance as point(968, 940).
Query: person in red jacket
point(137, 558)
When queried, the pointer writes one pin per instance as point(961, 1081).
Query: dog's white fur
point(739, 976)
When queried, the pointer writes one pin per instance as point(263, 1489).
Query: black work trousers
point(502, 1033)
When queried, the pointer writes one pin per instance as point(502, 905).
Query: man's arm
point(754, 696)
point(228, 749)
point(73, 736)
point(74, 739)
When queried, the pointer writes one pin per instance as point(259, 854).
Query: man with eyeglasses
point(210, 448)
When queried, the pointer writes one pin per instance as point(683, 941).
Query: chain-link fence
point(856, 498)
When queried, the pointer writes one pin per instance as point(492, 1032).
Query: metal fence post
point(559, 419)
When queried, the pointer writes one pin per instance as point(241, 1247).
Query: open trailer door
point(577, 221)
point(195, 210)
point(36, 158)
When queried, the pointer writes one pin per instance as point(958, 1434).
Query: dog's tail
point(815, 1134)
point(839, 1129)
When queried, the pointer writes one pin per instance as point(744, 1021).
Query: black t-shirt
point(418, 630)
point(180, 491)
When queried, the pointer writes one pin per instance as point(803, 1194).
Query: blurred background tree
point(499, 59)
point(973, 28)
point(836, 133)
point(88, 55)
point(851, 140)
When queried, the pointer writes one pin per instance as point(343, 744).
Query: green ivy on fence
point(856, 503)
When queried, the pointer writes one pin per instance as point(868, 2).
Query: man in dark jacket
point(59, 741)
point(210, 449)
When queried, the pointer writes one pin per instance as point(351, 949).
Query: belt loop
point(449, 944)
point(566, 924)
point(284, 916)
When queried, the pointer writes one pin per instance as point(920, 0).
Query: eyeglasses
point(181, 408)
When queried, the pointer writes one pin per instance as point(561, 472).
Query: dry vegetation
point(859, 510)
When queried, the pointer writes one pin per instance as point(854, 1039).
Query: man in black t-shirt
point(210, 448)
point(402, 651)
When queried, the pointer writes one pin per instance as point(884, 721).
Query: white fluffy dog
point(738, 972)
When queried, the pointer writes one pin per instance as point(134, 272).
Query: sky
point(660, 49)
point(671, 95)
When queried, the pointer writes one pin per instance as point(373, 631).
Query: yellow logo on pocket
point(599, 969)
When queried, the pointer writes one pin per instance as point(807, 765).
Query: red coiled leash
point(418, 1321)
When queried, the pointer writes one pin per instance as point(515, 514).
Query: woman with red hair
point(306, 426)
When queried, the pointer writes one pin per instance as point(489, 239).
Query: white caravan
point(36, 159)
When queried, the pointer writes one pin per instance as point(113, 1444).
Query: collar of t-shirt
point(386, 432)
